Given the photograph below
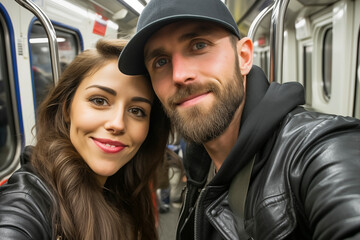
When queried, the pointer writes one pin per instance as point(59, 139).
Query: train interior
point(312, 42)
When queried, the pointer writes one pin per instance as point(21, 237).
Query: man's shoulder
point(307, 123)
point(319, 139)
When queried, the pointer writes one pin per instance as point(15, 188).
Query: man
point(258, 165)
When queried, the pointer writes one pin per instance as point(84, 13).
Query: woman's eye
point(161, 62)
point(199, 45)
point(138, 112)
point(99, 101)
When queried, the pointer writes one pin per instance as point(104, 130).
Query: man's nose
point(183, 69)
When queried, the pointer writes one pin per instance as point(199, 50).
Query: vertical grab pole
point(276, 40)
point(255, 24)
point(50, 32)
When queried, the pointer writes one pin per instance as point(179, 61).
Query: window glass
point(7, 126)
point(327, 61)
point(40, 57)
point(265, 62)
point(308, 51)
point(357, 84)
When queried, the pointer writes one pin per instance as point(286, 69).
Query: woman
point(100, 137)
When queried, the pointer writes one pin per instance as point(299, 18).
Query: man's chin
point(199, 110)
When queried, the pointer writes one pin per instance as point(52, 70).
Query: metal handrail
point(256, 22)
point(276, 40)
point(50, 32)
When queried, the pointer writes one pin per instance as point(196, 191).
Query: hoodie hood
point(265, 107)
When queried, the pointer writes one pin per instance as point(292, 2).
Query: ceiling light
point(45, 40)
point(134, 4)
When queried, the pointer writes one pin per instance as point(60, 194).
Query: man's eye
point(199, 45)
point(99, 101)
point(161, 62)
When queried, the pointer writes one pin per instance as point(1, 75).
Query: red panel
point(100, 25)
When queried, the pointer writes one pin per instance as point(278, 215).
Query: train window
point(8, 140)
point(357, 84)
point(326, 64)
point(261, 58)
point(40, 57)
point(307, 58)
point(264, 59)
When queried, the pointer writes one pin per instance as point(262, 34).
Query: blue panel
point(15, 71)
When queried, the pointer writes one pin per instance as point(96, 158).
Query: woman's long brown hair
point(83, 209)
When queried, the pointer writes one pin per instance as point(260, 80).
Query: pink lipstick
point(109, 146)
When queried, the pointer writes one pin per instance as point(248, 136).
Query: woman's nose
point(116, 122)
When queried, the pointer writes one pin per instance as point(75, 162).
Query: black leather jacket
point(25, 207)
point(305, 183)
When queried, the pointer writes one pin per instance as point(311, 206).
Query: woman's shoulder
point(25, 181)
point(25, 205)
point(26, 186)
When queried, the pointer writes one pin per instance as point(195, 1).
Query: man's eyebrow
point(154, 53)
point(196, 32)
point(106, 89)
point(141, 99)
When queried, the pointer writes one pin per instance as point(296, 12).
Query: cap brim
point(131, 59)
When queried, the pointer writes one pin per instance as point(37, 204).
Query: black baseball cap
point(158, 13)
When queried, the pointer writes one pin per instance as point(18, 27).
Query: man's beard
point(201, 124)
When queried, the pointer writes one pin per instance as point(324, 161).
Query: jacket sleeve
point(330, 186)
point(23, 213)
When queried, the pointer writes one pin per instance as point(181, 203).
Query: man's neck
point(220, 147)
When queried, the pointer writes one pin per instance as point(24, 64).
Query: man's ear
point(245, 51)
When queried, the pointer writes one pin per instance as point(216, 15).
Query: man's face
point(194, 69)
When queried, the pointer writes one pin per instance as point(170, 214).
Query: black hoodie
point(265, 107)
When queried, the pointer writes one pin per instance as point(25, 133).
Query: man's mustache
point(193, 89)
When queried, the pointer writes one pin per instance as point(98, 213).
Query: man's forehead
point(190, 25)
point(184, 30)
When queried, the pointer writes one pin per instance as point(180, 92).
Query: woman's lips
point(109, 146)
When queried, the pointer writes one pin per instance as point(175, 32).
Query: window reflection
point(40, 57)
point(308, 51)
point(327, 61)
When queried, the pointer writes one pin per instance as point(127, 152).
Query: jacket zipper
point(181, 212)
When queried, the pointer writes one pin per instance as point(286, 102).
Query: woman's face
point(109, 118)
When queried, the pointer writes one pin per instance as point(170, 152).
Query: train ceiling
point(125, 13)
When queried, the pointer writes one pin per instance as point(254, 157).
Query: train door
point(10, 110)
point(326, 57)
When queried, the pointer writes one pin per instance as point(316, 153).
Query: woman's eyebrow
point(106, 89)
point(141, 99)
